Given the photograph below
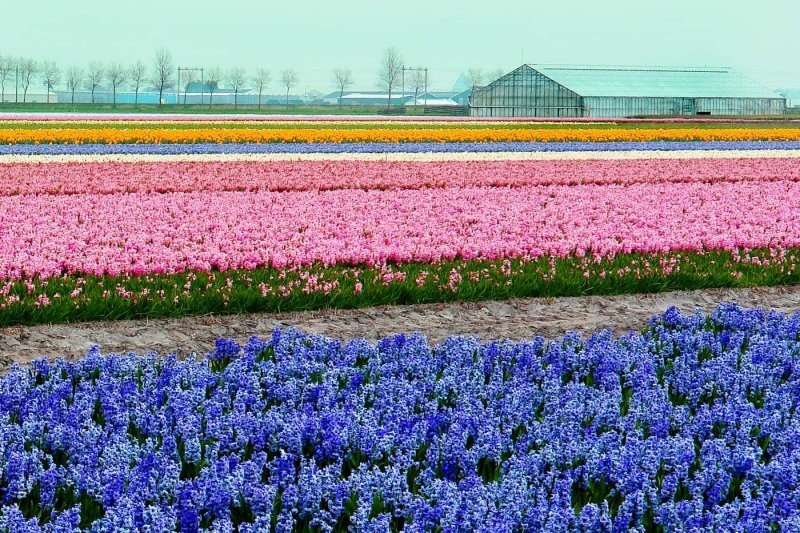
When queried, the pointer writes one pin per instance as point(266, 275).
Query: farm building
point(351, 98)
point(615, 91)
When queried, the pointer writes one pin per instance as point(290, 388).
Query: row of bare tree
point(391, 75)
point(23, 71)
point(161, 76)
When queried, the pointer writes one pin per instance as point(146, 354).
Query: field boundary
point(515, 319)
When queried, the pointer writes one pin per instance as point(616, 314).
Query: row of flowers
point(84, 298)
point(47, 235)
point(186, 176)
point(384, 148)
point(690, 425)
point(105, 135)
point(418, 157)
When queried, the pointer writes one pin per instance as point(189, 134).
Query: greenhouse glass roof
point(675, 82)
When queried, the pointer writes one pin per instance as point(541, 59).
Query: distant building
point(33, 97)
point(616, 91)
point(462, 98)
point(461, 84)
point(222, 96)
point(355, 98)
point(792, 96)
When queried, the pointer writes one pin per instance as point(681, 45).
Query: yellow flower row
point(388, 135)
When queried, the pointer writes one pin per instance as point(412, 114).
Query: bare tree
point(213, 77)
point(116, 76)
point(27, 70)
point(189, 77)
point(391, 71)
point(475, 78)
point(288, 79)
point(162, 72)
point(237, 76)
point(94, 76)
point(6, 68)
point(50, 76)
point(74, 80)
point(418, 83)
point(344, 79)
point(261, 81)
point(136, 74)
point(496, 74)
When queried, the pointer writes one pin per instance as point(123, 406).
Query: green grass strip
point(73, 298)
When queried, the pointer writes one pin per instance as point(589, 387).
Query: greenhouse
point(615, 91)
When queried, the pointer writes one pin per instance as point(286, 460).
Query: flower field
point(132, 217)
point(312, 134)
point(689, 425)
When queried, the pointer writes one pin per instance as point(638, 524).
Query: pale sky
point(313, 37)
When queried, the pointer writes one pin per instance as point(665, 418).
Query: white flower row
point(403, 156)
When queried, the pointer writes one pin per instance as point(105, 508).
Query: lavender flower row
point(304, 148)
point(692, 425)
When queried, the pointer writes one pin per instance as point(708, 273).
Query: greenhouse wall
point(573, 92)
point(525, 92)
point(742, 106)
point(615, 106)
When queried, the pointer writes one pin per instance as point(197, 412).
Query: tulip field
point(690, 424)
point(125, 216)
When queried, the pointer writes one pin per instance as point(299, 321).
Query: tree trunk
point(73, 96)
point(160, 94)
point(236, 99)
point(287, 97)
point(92, 94)
point(114, 96)
point(390, 98)
point(136, 97)
point(210, 99)
point(341, 95)
point(259, 99)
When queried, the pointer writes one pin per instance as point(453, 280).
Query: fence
point(171, 98)
point(447, 110)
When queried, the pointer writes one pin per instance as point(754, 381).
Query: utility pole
point(415, 69)
point(179, 84)
point(16, 84)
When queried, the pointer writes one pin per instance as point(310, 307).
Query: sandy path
point(515, 319)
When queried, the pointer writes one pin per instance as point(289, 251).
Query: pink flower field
point(46, 235)
point(210, 176)
point(88, 234)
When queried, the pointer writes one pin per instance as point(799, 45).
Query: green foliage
point(272, 290)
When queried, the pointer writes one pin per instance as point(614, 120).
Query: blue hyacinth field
point(688, 425)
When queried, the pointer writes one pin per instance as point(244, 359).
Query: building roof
point(371, 95)
point(676, 82)
point(461, 84)
point(430, 101)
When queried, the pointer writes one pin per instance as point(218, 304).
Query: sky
point(313, 37)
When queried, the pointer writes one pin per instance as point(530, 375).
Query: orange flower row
point(387, 135)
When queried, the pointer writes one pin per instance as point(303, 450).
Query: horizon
point(449, 41)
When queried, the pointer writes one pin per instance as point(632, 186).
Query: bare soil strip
point(512, 319)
